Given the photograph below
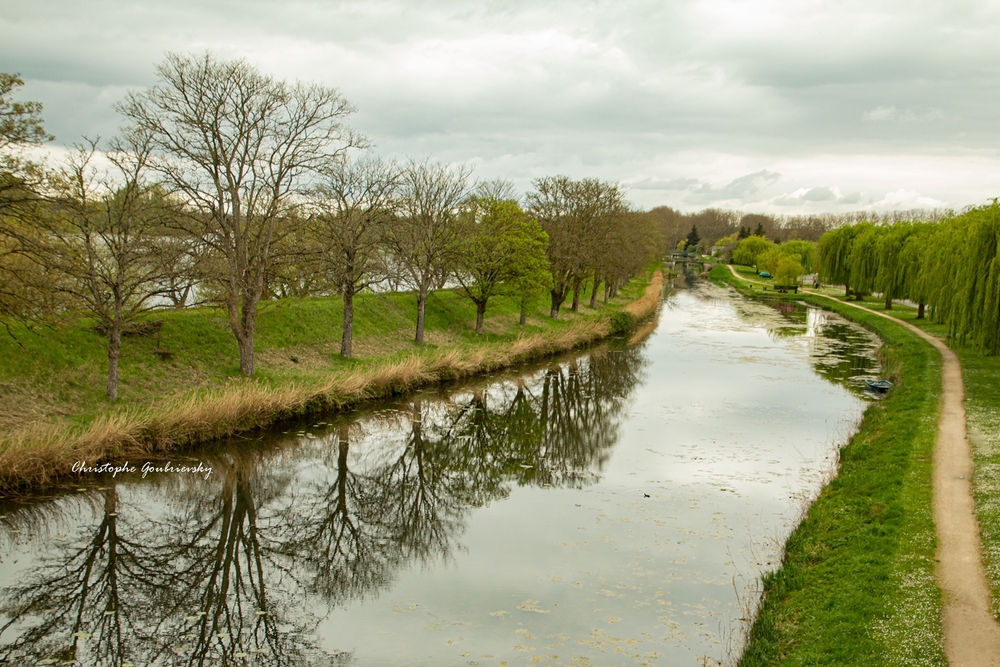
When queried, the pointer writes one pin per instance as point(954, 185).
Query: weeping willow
point(951, 265)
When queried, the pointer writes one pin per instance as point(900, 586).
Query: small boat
point(879, 386)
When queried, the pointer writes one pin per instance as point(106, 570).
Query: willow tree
point(970, 302)
point(911, 266)
point(890, 277)
point(237, 146)
point(748, 251)
point(834, 250)
point(864, 260)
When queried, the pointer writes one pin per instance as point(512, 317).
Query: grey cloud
point(744, 186)
point(642, 91)
point(673, 184)
point(739, 191)
point(819, 194)
point(852, 198)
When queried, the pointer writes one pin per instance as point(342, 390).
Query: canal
point(612, 507)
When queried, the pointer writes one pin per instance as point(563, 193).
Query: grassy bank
point(856, 585)
point(52, 379)
point(981, 376)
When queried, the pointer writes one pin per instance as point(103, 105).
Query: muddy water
point(610, 508)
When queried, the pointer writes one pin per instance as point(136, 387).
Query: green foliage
point(952, 265)
point(864, 260)
point(749, 250)
point(622, 322)
point(804, 252)
point(20, 122)
point(834, 250)
point(501, 251)
point(787, 270)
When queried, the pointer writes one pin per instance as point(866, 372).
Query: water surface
point(609, 508)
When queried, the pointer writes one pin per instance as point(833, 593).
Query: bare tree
point(354, 206)
point(578, 216)
point(102, 239)
point(236, 145)
point(424, 237)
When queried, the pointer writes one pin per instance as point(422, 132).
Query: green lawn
point(981, 375)
point(59, 372)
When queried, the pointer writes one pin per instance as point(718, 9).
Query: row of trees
point(786, 261)
point(951, 265)
point(712, 225)
point(230, 187)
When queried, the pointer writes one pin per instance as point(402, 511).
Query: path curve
point(971, 634)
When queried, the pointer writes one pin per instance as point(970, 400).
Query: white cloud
point(892, 113)
point(903, 199)
point(881, 113)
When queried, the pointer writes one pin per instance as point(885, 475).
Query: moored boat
point(879, 386)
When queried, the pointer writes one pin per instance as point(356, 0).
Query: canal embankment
point(180, 391)
point(965, 497)
point(857, 581)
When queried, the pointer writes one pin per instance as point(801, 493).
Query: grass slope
point(981, 376)
point(856, 585)
point(52, 380)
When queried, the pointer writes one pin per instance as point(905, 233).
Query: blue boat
point(878, 386)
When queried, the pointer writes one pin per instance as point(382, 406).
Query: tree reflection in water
point(839, 351)
point(237, 569)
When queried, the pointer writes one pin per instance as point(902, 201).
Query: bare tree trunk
point(347, 337)
point(577, 285)
point(242, 316)
point(888, 303)
point(607, 292)
point(558, 296)
point(524, 313)
point(847, 291)
point(920, 311)
point(421, 311)
point(114, 354)
point(593, 292)
point(245, 341)
point(480, 315)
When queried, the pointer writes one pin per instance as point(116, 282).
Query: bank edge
point(856, 583)
point(39, 457)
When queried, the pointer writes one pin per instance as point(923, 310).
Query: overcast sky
point(785, 106)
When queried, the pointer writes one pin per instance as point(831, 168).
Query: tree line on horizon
point(713, 227)
point(951, 266)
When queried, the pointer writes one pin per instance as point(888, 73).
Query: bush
point(622, 322)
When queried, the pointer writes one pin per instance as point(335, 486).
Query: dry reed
point(43, 454)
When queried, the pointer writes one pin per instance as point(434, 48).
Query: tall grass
point(42, 454)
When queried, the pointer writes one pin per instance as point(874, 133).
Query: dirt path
point(971, 634)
